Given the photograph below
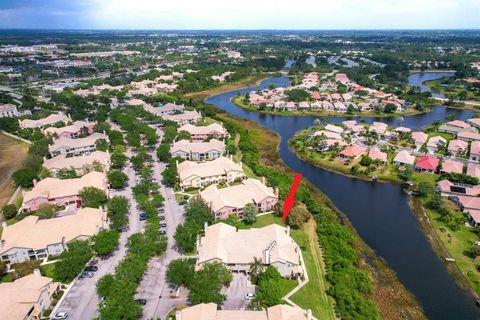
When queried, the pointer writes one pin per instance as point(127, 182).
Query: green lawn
point(458, 244)
point(48, 270)
point(424, 177)
point(313, 294)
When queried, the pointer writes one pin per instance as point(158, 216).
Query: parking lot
point(236, 292)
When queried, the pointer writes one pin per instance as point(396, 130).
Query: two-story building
point(74, 147)
point(201, 133)
point(33, 238)
point(62, 192)
point(81, 164)
point(41, 123)
point(196, 175)
point(231, 200)
point(75, 130)
point(198, 151)
point(8, 111)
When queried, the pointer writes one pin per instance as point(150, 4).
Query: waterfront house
point(236, 249)
point(452, 166)
point(468, 136)
point(427, 163)
point(376, 154)
point(201, 133)
point(231, 200)
point(447, 188)
point(41, 123)
point(378, 127)
point(33, 238)
point(353, 126)
point(210, 311)
point(352, 152)
point(62, 192)
point(403, 158)
point(81, 164)
point(474, 122)
point(333, 128)
point(475, 151)
point(75, 130)
point(196, 175)
point(198, 151)
point(28, 297)
point(327, 134)
point(456, 126)
point(457, 147)
point(74, 147)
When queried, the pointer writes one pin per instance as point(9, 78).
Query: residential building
point(26, 298)
point(210, 311)
point(452, 166)
point(237, 249)
point(468, 136)
point(455, 127)
point(352, 152)
point(198, 151)
point(448, 188)
point(419, 138)
point(427, 164)
point(376, 154)
point(378, 127)
point(8, 111)
point(191, 117)
point(164, 110)
point(195, 175)
point(200, 133)
point(74, 147)
point(231, 200)
point(41, 123)
point(473, 170)
point(457, 147)
point(81, 164)
point(434, 143)
point(333, 128)
point(403, 158)
point(474, 122)
point(73, 131)
point(475, 151)
point(33, 238)
point(62, 192)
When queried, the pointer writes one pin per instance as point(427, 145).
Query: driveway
point(236, 292)
point(81, 300)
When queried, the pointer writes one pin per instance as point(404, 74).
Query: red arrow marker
point(290, 199)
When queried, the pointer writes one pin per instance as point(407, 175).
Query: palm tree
point(256, 269)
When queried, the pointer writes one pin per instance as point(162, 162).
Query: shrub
point(9, 211)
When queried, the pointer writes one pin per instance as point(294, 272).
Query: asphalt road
point(82, 300)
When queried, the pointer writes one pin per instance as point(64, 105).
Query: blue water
point(417, 79)
point(379, 211)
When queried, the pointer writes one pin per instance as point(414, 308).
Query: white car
point(60, 315)
point(249, 296)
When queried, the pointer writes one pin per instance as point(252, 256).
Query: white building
point(8, 111)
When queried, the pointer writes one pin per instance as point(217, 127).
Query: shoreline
point(423, 219)
point(391, 297)
point(326, 114)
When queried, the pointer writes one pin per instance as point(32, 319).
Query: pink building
point(62, 192)
point(201, 133)
point(452, 166)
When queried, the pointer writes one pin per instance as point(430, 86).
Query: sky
point(236, 14)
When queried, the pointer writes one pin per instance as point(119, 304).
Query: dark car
point(141, 301)
point(163, 225)
point(161, 217)
point(91, 268)
point(163, 232)
point(142, 216)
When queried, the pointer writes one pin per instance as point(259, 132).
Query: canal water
point(379, 211)
point(418, 79)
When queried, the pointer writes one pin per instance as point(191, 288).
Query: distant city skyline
point(247, 14)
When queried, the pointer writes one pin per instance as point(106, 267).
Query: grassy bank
point(12, 154)
point(390, 296)
point(239, 102)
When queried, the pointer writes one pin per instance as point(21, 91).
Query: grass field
point(12, 153)
point(312, 295)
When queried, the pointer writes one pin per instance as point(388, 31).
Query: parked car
point(161, 217)
point(161, 210)
point(163, 225)
point(91, 268)
point(163, 232)
point(60, 315)
point(142, 216)
point(249, 296)
point(87, 274)
point(141, 301)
